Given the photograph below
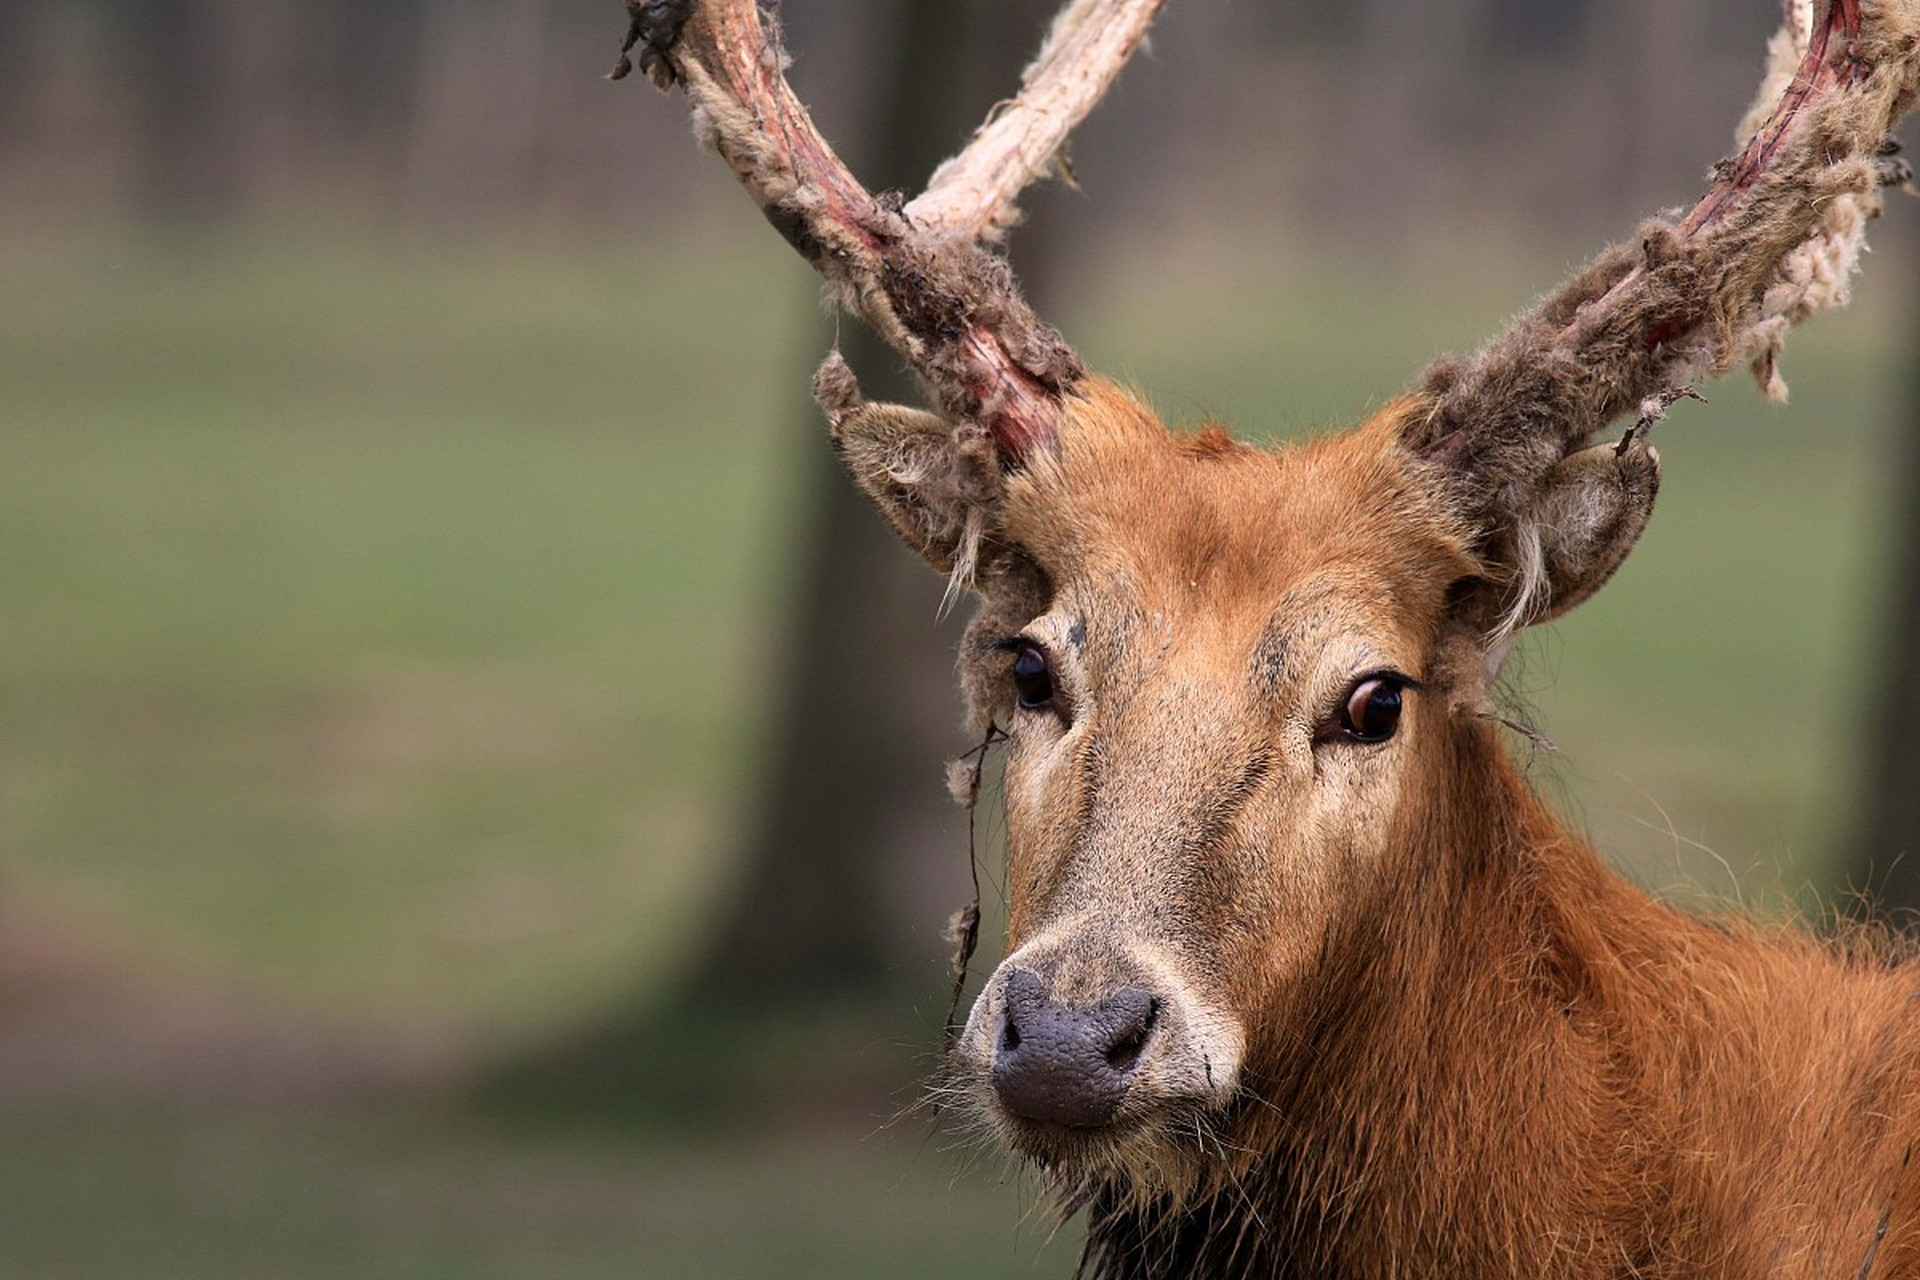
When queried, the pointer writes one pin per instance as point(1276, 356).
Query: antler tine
point(917, 273)
point(1773, 241)
point(973, 194)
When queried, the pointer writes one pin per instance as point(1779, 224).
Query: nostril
point(1132, 1034)
point(1123, 1055)
point(1126, 1050)
point(1026, 999)
point(1069, 1065)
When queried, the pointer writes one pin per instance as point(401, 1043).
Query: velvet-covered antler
point(1774, 241)
point(919, 272)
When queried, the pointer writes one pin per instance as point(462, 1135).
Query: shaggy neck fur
point(1515, 1064)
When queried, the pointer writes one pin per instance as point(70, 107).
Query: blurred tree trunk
point(23, 21)
point(220, 122)
point(188, 175)
point(1886, 848)
point(473, 141)
point(855, 854)
point(1404, 75)
point(853, 820)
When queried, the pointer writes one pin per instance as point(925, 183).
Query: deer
point(1302, 978)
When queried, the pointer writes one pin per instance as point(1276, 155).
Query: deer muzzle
point(1061, 1065)
point(1068, 1046)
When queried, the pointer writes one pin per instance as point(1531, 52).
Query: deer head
point(1245, 688)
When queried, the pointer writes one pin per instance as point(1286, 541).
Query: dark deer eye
point(1372, 711)
point(1032, 681)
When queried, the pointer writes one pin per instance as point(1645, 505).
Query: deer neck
point(1500, 1066)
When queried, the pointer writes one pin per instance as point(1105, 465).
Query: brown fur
point(1468, 1047)
point(1507, 1062)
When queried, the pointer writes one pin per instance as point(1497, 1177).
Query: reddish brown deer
point(1303, 980)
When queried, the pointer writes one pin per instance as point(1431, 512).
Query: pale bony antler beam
point(916, 272)
point(973, 194)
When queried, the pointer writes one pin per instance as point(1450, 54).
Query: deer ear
point(1558, 546)
point(933, 481)
point(1580, 522)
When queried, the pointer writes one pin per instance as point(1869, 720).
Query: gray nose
point(1063, 1065)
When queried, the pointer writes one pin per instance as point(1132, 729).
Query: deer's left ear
point(1551, 545)
point(1577, 525)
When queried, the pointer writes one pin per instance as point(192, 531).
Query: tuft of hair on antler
point(1774, 241)
point(922, 273)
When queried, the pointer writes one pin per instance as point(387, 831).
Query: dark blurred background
point(470, 773)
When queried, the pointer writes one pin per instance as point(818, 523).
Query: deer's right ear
point(933, 481)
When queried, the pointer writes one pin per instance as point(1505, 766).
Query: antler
point(1773, 241)
point(918, 272)
point(1088, 43)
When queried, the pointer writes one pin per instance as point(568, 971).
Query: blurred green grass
point(375, 624)
point(139, 1195)
point(385, 630)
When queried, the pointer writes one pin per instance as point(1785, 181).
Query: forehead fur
point(1181, 518)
